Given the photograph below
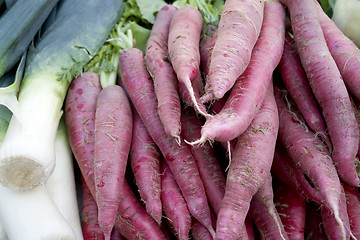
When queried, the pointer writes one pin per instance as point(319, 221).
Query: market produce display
point(184, 119)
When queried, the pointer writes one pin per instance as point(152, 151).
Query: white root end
point(339, 221)
point(194, 100)
point(22, 174)
point(177, 139)
point(229, 155)
point(200, 141)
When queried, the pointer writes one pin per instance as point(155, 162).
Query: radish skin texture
point(207, 42)
point(145, 164)
point(113, 132)
point(332, 229)
point(238, 31)
point(328, 86)
point(265, 215)
point(210, 171)
point(175, 207)
point(295, 81)
point(165, 80)
point(133, 222)
point(89, 214)
point(250, 88)
point(136, 80)
point(292, 210)
point(285, 169)
point(308, 152)
point(183, 48)
point(250, 165)
point(80, 108)
point(344, 51)
point(82, 95)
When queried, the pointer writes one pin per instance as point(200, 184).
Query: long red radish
point(183, 48)
point(291, 208)
point(133, 222)
point(328, 86)
point(249, 90)
point(113, 132)
point(145, 164)
point(238, 31)
point(289, 172)
point(309, 152)
point(89, 214)
point(140, 88)
point(344, 51)
point(175, 207)
point(210, 171)
point(265, 215)
point(332, 229)
point(80, 106)
point(250, 165)
point(165, 80)
point(296, 82)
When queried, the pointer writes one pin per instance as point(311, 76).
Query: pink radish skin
point(207, 42)
point(80, 107)
point(133, 222)
point(89, 214)
point(183, 48)
point(292, 210)
point(328, 86)
point(250, 165)
point(113, 132)
point(182, 164)
point(209, 168)
point(265, 215)
point(249, 90)
point(175, 208)
point(185, 95)
point(160, 69)
point(284, 168)
point(198, 231)
point(145, 164)
point(295, 81)
point(344, 51)
point(310, 154)
point(238, 31)
point(332, 229)
point(353, 208)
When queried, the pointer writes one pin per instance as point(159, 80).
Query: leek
point(27, 154)
point(17, 32)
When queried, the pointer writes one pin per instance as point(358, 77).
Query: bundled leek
point(27, 155)
point(17, 32)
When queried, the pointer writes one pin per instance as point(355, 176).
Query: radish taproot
point(327, 85)
point(145, 164)
point(249, 89)
point(113, 132)
point(183, 48)
point(250, 165)
point(140, 88)
point(175, 207)
point(310, 153)
point(162, 72)
point(237, 33)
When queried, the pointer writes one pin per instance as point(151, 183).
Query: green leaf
point(148, 9)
